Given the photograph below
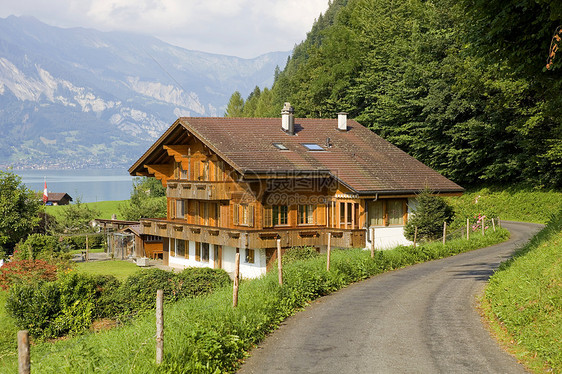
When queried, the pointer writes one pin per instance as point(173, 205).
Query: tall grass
point(525, 296)
point(207, 335)
point(513, 204)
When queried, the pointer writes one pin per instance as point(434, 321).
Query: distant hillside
point(80, 97)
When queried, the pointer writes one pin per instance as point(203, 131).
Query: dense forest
point(472, 88)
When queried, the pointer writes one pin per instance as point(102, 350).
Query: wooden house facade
point(236, 185)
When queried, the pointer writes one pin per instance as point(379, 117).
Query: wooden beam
point(162, 172)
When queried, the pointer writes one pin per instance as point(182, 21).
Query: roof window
point(313, 147)
point(280, 146)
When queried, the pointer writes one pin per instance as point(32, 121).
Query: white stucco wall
point(391, 236)
point(247, 270)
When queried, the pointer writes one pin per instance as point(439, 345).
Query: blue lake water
point(90, 185)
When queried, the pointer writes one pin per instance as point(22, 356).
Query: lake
point(90, 185)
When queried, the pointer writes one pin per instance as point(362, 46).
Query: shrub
point(27, 272)
point(199, 281)
point(38, 246)
point(430, 213)
point(138, 291)
point(79, 242)
point(65, 306)
point(299, 253)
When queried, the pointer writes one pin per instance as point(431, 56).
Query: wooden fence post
point(236, 281)
point(467, 228)
point(415, 236)
point(372, 242)
point(483, 224)
point(159, 326)
point(494, 224)
point(279, 262)
point(444, 232)
point(24, 363)
point(328, 251)
point(87, 249)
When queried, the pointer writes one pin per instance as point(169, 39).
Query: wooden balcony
point(199, 190)
point(239, 238)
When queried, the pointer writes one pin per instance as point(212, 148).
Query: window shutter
point(235, 213)
point(321, 214)
point(250, 216)
point(267, 216)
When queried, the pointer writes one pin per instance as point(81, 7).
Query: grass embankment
point(106, 208)
point(523, 301)
point(207, 335)
point(512, 204)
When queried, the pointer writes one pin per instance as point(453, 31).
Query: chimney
point(342, 121)
point(288, 119)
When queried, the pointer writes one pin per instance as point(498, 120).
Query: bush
point(430, 213)
point(66, 306)
point(26, 272)
point(38, 246)
point(299, 253)
point(200, 281)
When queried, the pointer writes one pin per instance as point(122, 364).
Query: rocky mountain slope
point(83, 98)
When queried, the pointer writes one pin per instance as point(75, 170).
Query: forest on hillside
point(471, 88)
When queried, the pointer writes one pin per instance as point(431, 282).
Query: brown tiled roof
point(357, 157)
point(57, 196)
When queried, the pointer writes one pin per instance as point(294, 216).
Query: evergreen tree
point(235, 105)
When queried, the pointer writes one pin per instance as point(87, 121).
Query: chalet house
point(58, 198)
point(239, 184)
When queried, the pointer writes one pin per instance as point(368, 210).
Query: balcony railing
point(199, 190)
point(250, 238)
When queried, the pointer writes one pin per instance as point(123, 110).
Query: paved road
point(421, 319)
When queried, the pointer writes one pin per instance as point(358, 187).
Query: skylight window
point(280, 146)
point(313, 147)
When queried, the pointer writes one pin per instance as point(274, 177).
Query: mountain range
point(74, 98)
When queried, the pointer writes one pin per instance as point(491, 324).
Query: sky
point(243, 28)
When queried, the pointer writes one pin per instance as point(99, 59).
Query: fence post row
point(159, 326)
point(373, 242)
point(279, 262)
point(236, 281)
point(24, 363)
point(328, 251)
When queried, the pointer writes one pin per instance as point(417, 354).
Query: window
point(313, 147)
point(219, 166)
point(205, 171)
point(243, 215)
point(276, 215)
point(180, 211)
point(179, 171)
point(280, 146)
point(250, 256)
point(205, 252)
point(180, 248)
point(306, 214)
point(387, 212)
point(395, 210)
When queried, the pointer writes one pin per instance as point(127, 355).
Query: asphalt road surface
point(421, 319)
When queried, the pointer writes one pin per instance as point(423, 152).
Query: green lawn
point(106, 208)
point(120, 269)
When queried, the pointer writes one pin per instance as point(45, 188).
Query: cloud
point(244, 28)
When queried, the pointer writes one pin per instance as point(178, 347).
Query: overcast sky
point(244, 28)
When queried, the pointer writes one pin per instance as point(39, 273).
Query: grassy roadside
point(512, 204)
point(523, 301)
point(206, 335)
